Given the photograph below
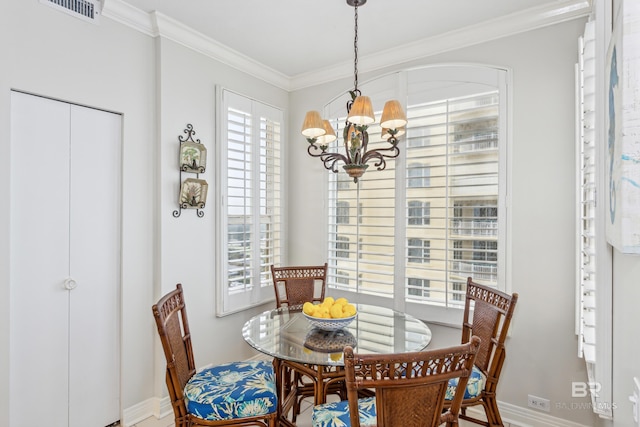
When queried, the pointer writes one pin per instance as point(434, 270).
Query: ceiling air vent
point(88, 10)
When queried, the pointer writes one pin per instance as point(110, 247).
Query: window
point(418, 212)
point(450, 179)
point(342, 213)
point(593, 255)
point(458, 289)
point(418, 175)
point(249, 170)
point(418, 250)
point(417, 288)
point(342, 247)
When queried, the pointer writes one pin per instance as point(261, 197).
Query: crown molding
point(156, 24)
point(520, 22)
point(178, 32)
point(130, 16)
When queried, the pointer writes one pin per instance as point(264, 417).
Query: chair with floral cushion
point(230, 394)
point(410, 388)
point(487, 314)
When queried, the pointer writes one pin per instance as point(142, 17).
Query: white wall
point(542, 351)
point(626, 345)
point(159, 87)
point(187, 94)
point(51, 54)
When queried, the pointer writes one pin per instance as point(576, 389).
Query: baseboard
point(154, 407)
point(517, 416)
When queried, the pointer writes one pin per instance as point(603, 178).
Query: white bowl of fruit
point(331, 314)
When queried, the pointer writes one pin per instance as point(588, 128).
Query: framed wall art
point(192, 159)
point(622, 125)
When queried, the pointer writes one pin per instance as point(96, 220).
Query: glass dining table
point(286, 335)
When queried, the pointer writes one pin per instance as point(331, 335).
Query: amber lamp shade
point(313, 125)
point(393, 116)
point(329, 135)
point(361, 112)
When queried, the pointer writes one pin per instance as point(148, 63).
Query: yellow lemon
point(323, 311)
point(349, 310)
point(335, 356)
point(328, 301)
point(336, 311)
point(308, 308)
point(341, 301)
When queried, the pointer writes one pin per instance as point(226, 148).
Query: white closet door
point(94, 339)
point(65, 224)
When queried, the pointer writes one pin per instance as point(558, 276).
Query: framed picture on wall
point(193, 157)
point(622, 126)
point(193, 193)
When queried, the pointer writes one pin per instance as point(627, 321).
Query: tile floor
point(304, 420)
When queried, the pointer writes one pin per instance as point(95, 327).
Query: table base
point(323, 380)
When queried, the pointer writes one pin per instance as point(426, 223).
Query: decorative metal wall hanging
point(193, 159)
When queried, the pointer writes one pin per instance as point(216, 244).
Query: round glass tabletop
point(286, 334)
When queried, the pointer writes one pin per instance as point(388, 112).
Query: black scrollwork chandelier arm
point(380, 154)
point(329, 160)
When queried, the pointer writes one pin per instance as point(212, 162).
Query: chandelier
point(320, 134)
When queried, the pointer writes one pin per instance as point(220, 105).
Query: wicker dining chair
point(297, 285)
point(294, 286)
point(230, 394)
point(410, 388)
point(487, 314)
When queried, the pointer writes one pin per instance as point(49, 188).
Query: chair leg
point(491, 409)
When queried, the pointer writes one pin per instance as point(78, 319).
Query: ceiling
point(297, 37)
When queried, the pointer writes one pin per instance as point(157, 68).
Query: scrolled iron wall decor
point(193, 159)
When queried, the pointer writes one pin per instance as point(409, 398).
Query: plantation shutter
point(409, 236)
point(362, 230)
point(250, 184)
point(593, 260)
point(452, 145)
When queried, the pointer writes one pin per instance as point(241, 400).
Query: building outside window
point(418, 250)
point(418, 212)
point(418, 288)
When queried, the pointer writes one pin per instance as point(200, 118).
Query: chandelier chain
point(355, 49)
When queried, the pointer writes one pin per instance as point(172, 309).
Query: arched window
point(443, 197)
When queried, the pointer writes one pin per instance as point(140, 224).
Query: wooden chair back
point(297, 285)
point(402, 379)
point(173, 327)
point(487, 315)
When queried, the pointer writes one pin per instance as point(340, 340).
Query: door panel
point(95, 264)
point(65, 223)
point(39, 258)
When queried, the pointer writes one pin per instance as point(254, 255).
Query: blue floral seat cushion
point(475, 385)
point(336, 414)
point(232, 390)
